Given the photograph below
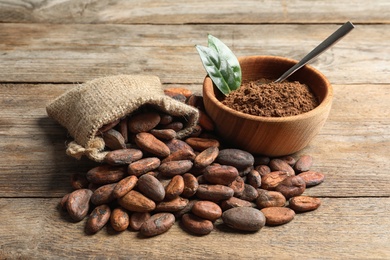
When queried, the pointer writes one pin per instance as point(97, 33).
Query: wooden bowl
point(270, 136)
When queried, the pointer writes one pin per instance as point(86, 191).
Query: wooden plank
point(201, 11)
point(340, 228)
point(71, 53)
point(352, 149)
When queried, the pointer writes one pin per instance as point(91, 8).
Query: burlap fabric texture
point(87, 107)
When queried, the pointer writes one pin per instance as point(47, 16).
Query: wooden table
point(46, 47)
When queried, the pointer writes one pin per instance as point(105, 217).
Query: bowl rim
point(319, 109)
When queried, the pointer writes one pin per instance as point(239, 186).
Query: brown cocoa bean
point(176, 96)
point(244, 218)
point(63, 201)
point(106, 174)
point(196, 101)
point(173, 168)
point(123, 156)
point(270, 199)
point(151, 187)
point(143, 122)
point(304, 203)
point(98, 219)
point(289, 159)
point(163, 134)
point(272, 179)
point(183, 91)
point(174, 205)
point(303, 164)
point(190, 185)
point(143, 166)
point(77, 204)
point(254, 179)
point(262, 160)
point(291, 186)
point(238, 186)
point(147, 142)
point(200, 144)
point(235, 157)
point(186, 209)
point(175, 126)
point(103, 194)
point(157, 224)
point(135, 201)
point(79, 181)
point(165, 119)
point(206, 157)
point(250, 193)
point(124, 186)
point(123, 129)
point(174, 188)
point(280, 165)
point(277, 215)
point(312, 178)
point(137, 219)
point(119, 219)
point(114, 140)
point(263, 169)
point(214, 192)
point(207, 210)
point(180, 155)
point(196, 131)
point(220, 174)
point(196, 225)
point(234, 202)
point(205, 121)
point(178, 145)
point(108, 126)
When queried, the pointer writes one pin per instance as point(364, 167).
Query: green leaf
point(217, 68)
point(225, 53)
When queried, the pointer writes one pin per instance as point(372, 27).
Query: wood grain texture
point(184, 11)
point(76, 53)
point(351, 150)
point(340, 228)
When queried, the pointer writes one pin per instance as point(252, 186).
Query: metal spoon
point(327, 43)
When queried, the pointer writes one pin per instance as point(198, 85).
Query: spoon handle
point(332, 39)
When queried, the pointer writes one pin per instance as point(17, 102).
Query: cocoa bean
point(123, 156)
point(280, 165)
point(64, 201)
point(190, 185)
point(114, 140)
point(175, 126)
point(79, 181)
point(262, 160)
point(244, 219)
point(137, 219)
point(106, 174)
point(123, 129)
point(254, 179)
point(178, 145)
point(206, 157)
point(289, 159)
point(165, 119)
point(163, 134)
point(77, 204)
point(207, 210)
point(263, 169)
point(180, 155)
point(124, 186)
point(220, 174)
point(143, 166)
point(157, 224)
point(103, 194)
point(205, 121)
point(238, 186)
point(151, 187)
point(270, 199)
point(200, 144)
point(234, 202)
point(196, 101)
point(108, 126)
point(272, 179)
point(291, 186)
point(186, 209)
point(250, 193)
point(119, 219)
point(214, 192)
point(183, 91)
point(174, 205)
point(135, 201)
point(174, 188)
point(304, 203)
point(98, 219)
point(312, 178)
point(147, 142)
point(235, 157)
point(173, 168)
point(277, 215)
point(196, 225)
point(303, 164)
point(143, 122)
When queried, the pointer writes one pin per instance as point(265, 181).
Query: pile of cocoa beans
point(150, 179)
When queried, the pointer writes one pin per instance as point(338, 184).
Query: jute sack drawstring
point(87, 107)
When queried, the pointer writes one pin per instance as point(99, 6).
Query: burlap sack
point(87, 107)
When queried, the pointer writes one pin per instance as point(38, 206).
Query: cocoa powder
point(270, 99)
